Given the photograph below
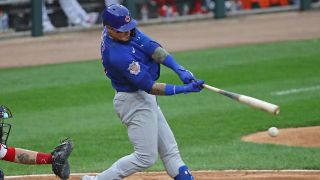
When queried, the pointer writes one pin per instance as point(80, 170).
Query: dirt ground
point(303, 137)
point(80, 46)
point(208, 175)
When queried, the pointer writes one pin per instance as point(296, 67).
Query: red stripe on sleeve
point(11, 153)
point(43, 158)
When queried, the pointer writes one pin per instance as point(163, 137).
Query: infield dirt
point(82, 46)
point(210, 175)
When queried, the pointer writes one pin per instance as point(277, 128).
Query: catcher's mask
point(5, 128)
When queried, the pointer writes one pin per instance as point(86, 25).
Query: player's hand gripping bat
point(253, 102)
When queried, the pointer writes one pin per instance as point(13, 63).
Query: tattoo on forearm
point(158, 89)
point(159, 55)
point(25, 159)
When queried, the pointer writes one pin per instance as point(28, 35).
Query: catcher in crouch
point(58, 158)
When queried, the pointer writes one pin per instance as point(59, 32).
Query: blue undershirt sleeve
point(171, 63)
point(173, 89)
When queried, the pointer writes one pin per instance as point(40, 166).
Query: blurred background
point(16, 16)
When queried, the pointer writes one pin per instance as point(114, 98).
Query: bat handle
point(211, 88)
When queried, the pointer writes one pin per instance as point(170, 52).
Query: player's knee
point(184, 174)
point(150, 160)
point(147, 159)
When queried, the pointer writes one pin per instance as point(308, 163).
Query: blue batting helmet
point(118, 17)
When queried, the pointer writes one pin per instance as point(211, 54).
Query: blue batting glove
point(185, 75)
point(194, 86)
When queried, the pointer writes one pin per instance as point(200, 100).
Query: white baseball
point(273, 131)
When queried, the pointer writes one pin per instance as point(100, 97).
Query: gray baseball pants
point(148, 132)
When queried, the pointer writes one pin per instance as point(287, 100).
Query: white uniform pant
point(148, 132)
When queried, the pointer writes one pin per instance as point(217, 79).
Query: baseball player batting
point(132, 61)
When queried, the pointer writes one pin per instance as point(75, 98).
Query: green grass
point(75, 100)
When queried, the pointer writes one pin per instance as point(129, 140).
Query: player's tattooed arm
point(159, 55)
point(25, 159)
point(158, 89)
point(25, 156)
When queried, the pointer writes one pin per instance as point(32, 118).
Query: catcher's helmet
point(118, 17)
point(5, 128)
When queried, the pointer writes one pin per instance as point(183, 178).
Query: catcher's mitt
point(60, 154)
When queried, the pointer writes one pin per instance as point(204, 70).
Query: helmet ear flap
point(133, 32)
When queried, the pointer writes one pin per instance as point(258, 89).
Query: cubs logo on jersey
point(134, 68)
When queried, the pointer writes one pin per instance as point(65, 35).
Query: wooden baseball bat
point(253, 102)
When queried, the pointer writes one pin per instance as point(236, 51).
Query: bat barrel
point(253, 102)
point(263, 105)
